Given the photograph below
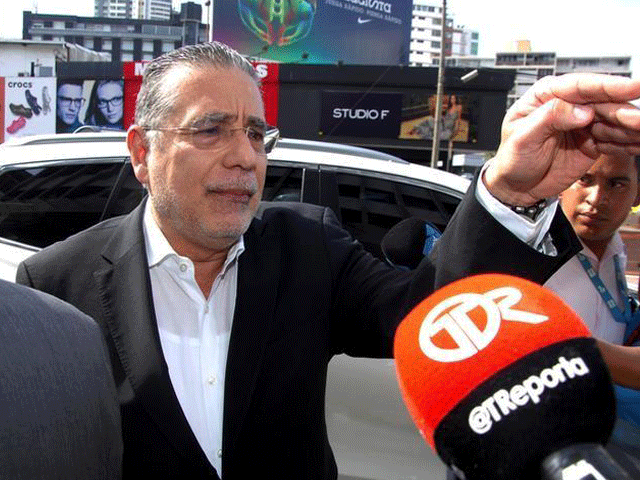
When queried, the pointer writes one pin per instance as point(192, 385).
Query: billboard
point(418, 113)
point(28, 106)
point(355, 114)
point(364, 32)
point(81, 102)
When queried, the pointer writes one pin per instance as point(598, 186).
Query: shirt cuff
point(533, 233)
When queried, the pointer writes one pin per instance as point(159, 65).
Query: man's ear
point(139, 151)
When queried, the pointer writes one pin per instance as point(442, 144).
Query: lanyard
point(622, 317)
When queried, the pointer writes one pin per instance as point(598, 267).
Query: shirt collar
point(614, 247)
point(159, 249)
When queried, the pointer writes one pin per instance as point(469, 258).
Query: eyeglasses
point(66, 101)
point(219, 136)
point(112, 102)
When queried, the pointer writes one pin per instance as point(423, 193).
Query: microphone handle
point(582, 461)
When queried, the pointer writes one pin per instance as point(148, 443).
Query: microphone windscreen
point(403, 244)
point(498, 372)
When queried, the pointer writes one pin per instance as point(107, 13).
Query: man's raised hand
point(552, 135)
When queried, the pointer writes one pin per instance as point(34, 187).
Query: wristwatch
point(530, 212)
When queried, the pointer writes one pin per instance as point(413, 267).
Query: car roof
point(43, 149)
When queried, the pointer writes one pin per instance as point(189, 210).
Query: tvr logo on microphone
point(452, 316)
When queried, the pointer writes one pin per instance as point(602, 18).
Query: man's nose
point(597, 195)
point(240, 151)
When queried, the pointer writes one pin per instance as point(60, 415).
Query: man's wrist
point(501, 192)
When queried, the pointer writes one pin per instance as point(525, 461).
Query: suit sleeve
point(473, 243)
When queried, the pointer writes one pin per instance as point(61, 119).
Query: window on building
point(435, 44)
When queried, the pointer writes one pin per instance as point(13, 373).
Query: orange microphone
point(504, 381)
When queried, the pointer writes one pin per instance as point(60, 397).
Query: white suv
point(52, 186)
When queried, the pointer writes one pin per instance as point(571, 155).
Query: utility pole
point(209, 22)
point(437, 115)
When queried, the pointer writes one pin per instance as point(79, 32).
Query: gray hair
point(154, 103)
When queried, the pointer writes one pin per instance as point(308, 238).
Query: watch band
point(531, 211)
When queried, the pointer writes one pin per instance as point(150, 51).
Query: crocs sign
point(28, 106)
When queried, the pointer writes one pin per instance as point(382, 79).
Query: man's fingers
point(583, 88)
point(563, 116)
point(622, 114)
point(605, 132)
point(617, 149)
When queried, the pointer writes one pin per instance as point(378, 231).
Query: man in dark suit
point(59, 413)
point(222, 314)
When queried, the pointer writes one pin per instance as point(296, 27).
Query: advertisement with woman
point(97, 103)
point(418, 113)
point(106, 104)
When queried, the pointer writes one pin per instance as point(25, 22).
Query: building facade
point(125, 39)
point(426, 35)
point(29, 58)
point(530, 66)
point(151, 9)
point(113, 8)
point(140, 9)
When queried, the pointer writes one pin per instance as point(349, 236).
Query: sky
point(567, 27)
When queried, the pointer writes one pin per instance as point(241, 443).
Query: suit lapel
point(125, 292)
point(258, 276)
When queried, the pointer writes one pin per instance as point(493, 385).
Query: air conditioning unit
point(43, 71)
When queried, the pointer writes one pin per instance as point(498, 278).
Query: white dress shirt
point(194, 333)
point(574, 286)
point(533, 233)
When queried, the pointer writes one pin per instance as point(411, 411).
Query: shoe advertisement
point(28, 106)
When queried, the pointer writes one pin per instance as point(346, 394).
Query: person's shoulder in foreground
point(59, 415)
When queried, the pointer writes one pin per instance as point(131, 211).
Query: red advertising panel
point(267, 71)
point(132, 73)
point(269, 74)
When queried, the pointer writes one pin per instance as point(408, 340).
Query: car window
point(127, 193)
point(283, 184)
point(369, 206)
point(39, 206)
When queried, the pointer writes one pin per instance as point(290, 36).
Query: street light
point(467, 77)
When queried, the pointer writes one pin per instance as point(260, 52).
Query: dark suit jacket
point(59, 414)
point(306, 291)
